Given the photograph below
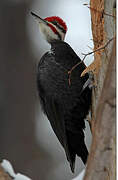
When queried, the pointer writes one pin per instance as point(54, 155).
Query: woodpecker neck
point(64, 54)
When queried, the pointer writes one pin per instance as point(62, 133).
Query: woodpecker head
point(53, 28)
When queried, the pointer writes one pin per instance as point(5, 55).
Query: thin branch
point(103, 47)
point(85, 55)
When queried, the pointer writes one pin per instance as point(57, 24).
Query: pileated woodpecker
point(66, 106)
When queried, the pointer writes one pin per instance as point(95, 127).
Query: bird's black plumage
point(66, 106)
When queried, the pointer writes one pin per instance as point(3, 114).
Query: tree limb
point(85, 55)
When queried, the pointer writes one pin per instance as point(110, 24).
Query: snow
point(9, 169)
point(21, 177)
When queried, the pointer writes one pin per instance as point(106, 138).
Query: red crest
point(58, 19)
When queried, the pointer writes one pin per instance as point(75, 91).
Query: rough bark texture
point(101, 162)
point(103, 29)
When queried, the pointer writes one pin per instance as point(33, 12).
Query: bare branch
point(85, 55)
point(103, 47)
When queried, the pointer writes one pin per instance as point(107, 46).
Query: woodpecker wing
point(61, 102)
point(50, 81)
point(55, 115)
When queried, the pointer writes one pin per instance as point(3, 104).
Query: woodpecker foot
point(90, 82)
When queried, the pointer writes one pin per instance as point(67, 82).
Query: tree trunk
point(101, 162)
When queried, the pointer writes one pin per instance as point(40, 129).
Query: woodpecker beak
point(39, 19)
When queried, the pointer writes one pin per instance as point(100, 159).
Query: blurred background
point(26, 138)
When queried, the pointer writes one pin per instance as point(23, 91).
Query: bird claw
point(90, 82)
point(93, 71)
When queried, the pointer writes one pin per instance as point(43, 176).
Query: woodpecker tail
point(82, 152)
point(76, 146)
point(72, 161)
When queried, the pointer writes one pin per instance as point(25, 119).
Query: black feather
point(66, 106)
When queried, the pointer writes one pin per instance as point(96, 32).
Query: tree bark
point(103, 145)
point(101, 162)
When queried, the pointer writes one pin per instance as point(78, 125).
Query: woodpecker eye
point(54, 22)
point(59, 26)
